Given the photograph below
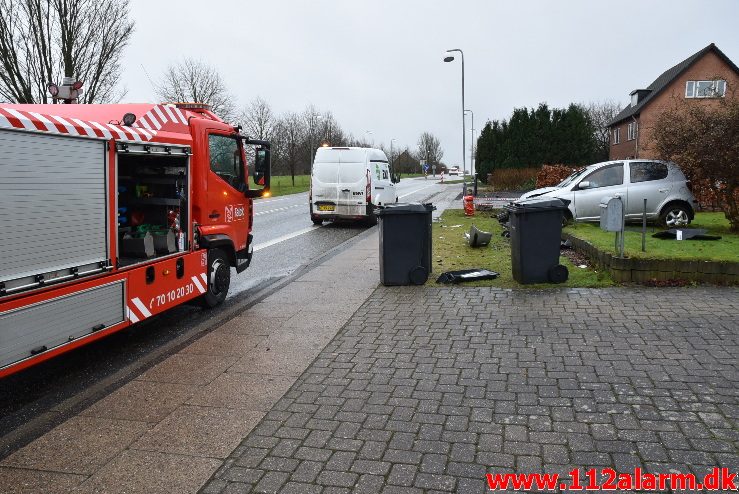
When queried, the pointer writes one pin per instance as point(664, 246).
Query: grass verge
point(726, 249)
point(451, 253)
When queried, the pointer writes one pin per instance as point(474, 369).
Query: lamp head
point(449, 58)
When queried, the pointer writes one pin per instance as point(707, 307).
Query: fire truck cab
point(111, 214)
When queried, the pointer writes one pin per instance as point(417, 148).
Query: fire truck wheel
point(219, 278)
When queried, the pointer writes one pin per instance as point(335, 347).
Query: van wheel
point(371, 218)
point(316, 220)
point(219, 279)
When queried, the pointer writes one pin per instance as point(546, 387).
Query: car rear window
point(646, 171)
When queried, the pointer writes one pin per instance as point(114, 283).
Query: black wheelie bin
point(405, 243)
point(536, 230)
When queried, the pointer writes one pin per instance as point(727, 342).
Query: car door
point(607, 181)
point(647, 180)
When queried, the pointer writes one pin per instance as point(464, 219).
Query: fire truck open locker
point(110, 214)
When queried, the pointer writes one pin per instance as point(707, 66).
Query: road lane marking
point(285, 237)
point(278, 199)
point(279, 209)
point(417, 190)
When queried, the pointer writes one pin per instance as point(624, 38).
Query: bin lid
point(538, 204)
point(405, 208)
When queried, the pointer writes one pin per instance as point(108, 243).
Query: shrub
point(551, 175)
point(702, 137)
point(513, 178)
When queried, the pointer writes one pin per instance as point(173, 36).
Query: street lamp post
point(450, 58)
point(370, 133)
point(472, 146)
point(313, 143)
point(391, 154)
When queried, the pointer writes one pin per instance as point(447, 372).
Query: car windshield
point(572, 177)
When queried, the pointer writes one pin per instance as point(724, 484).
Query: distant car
point(454, 170)
point(662, 184)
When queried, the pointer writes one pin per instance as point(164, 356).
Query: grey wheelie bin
point(405, 243)
point(536, 230)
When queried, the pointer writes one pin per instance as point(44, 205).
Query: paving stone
point(411, 397)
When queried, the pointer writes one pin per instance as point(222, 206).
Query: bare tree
point(195, 81)
point(331, 132)
point(42, 41)
point(600, 115)
point(429, 148)
point(287, 143)
point(258, 120)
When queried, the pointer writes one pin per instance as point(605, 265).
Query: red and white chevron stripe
point(20, 119)
point(160, 116)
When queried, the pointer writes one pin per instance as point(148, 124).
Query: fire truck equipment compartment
point(51, 185)
point(57, 321)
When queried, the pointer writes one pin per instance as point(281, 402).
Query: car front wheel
point(675, 215)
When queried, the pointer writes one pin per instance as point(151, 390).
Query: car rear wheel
point(674, 215)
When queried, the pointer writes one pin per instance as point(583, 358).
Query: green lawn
point(451, 253)
point(282, 186)
point(726, 249)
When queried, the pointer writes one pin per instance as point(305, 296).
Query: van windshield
point(351, 172)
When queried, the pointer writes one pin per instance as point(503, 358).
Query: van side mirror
point(584, 185)
point(258, 183)
point(396, 178)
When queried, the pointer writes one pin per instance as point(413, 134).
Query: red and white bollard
point(469, 205)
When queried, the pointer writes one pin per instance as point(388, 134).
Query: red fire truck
point(111, 214)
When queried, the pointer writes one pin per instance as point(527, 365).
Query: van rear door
point(324, 179)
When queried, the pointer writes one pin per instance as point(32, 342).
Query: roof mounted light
point(129, 119)
point(77, 85)
point(193, 106)
point(53, 89)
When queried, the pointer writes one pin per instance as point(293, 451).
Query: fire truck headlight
point(129, 119)
point(53, 89)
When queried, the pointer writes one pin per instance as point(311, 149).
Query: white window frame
point(718, 89)
point(689, 89)
point(631, 131)
point(617, 135)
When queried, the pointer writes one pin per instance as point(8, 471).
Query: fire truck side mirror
point(259, 183)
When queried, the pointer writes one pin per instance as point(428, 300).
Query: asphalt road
point(36, 399)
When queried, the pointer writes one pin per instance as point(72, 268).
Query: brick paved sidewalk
point(426, 390)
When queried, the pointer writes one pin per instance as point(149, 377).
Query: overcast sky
point(377, 64)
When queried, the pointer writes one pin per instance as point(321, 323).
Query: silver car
point(662, 184)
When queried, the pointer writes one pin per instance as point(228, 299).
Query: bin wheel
point(418, 275)
point(558, 274)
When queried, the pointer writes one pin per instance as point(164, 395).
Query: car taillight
point(368, 189)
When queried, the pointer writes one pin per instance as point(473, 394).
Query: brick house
point(702, 77)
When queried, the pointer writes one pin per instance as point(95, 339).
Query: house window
point(631, 131)
point(616, 135)
point(705, 89)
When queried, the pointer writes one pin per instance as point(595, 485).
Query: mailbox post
point(612, 219)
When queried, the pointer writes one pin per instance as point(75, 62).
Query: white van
point(348, 182)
